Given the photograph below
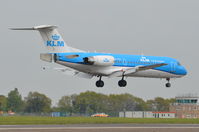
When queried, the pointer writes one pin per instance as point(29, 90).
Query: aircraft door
point(173, 66)
point(125, 63)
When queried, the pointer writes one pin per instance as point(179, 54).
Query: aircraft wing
point(84, 75)
point(134, 69)
point(71, 72)
point(141, 68)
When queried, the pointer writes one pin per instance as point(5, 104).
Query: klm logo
point(106, 60)
point(144, 59)
point(55, 42)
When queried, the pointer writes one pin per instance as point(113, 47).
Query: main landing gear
point(100, 83)
point(168, 84)
point(122, 82)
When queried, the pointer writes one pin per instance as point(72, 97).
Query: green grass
point(28, 120)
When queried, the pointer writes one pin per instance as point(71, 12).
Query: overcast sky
point(150, 27)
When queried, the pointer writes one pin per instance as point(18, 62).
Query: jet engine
point(99, 60)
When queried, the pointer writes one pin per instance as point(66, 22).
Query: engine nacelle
point(99, 60)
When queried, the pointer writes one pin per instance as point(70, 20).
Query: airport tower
point(186, 106)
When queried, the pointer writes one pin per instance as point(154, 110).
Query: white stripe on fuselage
point(107, 70)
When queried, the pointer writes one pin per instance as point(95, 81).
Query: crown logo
point(55, 37)
point(106, 60)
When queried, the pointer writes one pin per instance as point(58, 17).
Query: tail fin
point(52, 39)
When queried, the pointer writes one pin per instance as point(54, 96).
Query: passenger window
point(72, 56)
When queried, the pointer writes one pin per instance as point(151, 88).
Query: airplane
point(90, 64)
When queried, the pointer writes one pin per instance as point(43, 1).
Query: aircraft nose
point(183, 71)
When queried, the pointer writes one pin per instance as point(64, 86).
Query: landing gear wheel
point(168, 85)
point(122, 83)
point(100, 83)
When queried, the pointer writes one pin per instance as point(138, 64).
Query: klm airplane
point(87, 65)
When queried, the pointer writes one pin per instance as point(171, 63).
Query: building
point(59, 114)
point(146, 114)
point(164, 114)
point(186, 106)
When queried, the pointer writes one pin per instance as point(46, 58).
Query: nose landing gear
point(100, 83)
point(168, 84)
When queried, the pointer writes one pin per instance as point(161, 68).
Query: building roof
point(163, 112)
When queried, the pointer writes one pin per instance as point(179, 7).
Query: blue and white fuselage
point(173, 69)
point(85, 64)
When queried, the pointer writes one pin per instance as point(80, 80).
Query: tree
point(90, 103)
point(124, 102)
point(37, 102)
point(159, 104)
point(65, 104)
point(162, 105)
point(14, 101)
point(85, 103)
point(151, 105)
point(3, 103)
point(140, 104)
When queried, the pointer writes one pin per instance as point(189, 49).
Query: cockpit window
point(179, 63)
point(72, 56)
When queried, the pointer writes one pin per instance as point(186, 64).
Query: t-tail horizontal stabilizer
point(52, 39)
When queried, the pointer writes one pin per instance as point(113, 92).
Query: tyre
point(168, 85)
point(122, 83)
point(100, 83)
